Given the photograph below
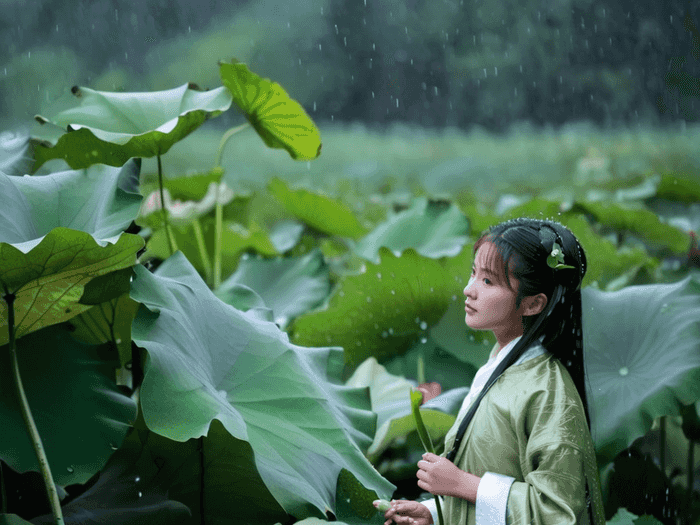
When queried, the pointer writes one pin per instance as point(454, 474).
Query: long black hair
point(545, 257)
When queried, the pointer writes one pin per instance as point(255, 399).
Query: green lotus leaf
point(109, 128)
point(78, 409)
point(318, 211)
point(279, 120)
point(288, 286)
point(285, 235)
point(641, 222)
point(57, 233)
point(382, 311)
point(684, 188)
point(12, 519)
point(433, 228)
point(132, 489)
point(390, 400)
point(108, 322)
point(207, 360)
point(354, 502)
point(236, 239)
point(642, 357)
point(15, 153)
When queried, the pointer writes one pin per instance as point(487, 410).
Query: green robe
point(531, 426)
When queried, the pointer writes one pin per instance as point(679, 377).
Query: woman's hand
point(441, 477)
point(405, 512)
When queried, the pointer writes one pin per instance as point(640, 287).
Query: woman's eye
point(487, 281)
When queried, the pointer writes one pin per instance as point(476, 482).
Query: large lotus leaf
point(390, 396)
point(15, 153)
point(642, 356)
point(354, 505)
point(684, 188)
point(78, 409)
point(433, 228)
point(12, 519)
point(288, 286)
point(381, 311)
point(318, 211)
point(131, 490)
point(109, 128)
point(279, 120)
point(207, 360)
point(639, 221)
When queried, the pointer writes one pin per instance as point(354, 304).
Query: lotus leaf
point(433, 228)
point(207, 360)
point(58, 232)
point(382, 311)
point(318, 211)
point(289, 287)
point(279, 120)
point(640, 222)
point(109, 128)
point(285, 235)
point(76, 404)
point(15, 153)
point(130, 490)
point(390, 400)
point(684, 188)
point(354, 502)
point(642, 358)
point(12, 519)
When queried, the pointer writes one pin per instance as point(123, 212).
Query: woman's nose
point(469, 289)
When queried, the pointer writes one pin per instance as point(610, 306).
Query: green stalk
point(168, 232)
point(219, 207)
point(416, 398)
point(662, 444)
point(690, 480)
point(202, 249)
point(34, 436)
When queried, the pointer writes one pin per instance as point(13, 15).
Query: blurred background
point(437, 92)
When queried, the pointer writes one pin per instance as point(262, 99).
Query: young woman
point(520, 451)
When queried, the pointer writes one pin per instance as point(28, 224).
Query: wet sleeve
point(430, 503)
point(492, 498)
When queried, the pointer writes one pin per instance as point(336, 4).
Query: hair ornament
point(548, 239)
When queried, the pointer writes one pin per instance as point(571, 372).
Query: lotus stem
point(34, 436)
point(690, 480)
point(168, 232)
point(224, 140)
point(662, 444)
point(416, 398)
point(196, 225)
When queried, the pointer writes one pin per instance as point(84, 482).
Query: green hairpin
point(555, 260)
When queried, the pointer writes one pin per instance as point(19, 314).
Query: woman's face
point(490, 302)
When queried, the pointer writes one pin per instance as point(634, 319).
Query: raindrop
point(336, 29)
point(397, 102)
point(118, 341)
point(521, 68)
point(516, 91)
point(432, 289)
point(374, 47)
point(189, 29)
point(113, 446)
point(436, 91)
point(485, 75)
point(287, 25)
point(372, 94)
point(369, 299)
point(385, 334)
point(319, 47)
point(138, 478)
point(423, 325)
point(495, 71)
point(379, 275)
point(376, 326)
point(391, 331)
point(341, 293)
point(140, 493)
point(70, 470)
point(471, 338)
point(314, 105)
point(358, 343)
point(393, 292)
point(345, 41)
point(454, 297)
point(423, 340)
point(624, 371)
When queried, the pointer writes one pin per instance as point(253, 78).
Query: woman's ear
point(534, 304)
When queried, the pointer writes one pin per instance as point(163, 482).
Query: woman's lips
point(468, 308)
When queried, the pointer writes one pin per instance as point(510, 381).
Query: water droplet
point(113, 446)
point(624, 371)
point(423, 325)
point(138, 478)
point(393, 292)
point(70, 470)
point(391, 331)
point(118, 341)
point(376, 326)
point(379, 275)
point(369, 299)
point(423, 340)
point(358, 343)
point(140, 494)
point(385, 334)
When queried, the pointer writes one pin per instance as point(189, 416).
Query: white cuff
point(430, 503)
point(492, 499)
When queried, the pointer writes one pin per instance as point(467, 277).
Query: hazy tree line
point(433, 62)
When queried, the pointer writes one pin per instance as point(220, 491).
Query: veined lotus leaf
point(433, 228)
point(279, 120)
point(390, 400)
point(642, 358)
point(318, 211)
point(285, 235)
point(132, 489)
point(77, 407)
point(109, 128)
point(15, 153)
point(382, 311)
point(56, 234)
point(354, 505)
point(639, 221)
point(207, 360)
point(288, 286)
